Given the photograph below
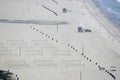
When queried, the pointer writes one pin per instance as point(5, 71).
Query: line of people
point(82, 54)
point(99, 67)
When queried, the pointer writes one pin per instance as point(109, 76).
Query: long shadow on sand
point(37, 22)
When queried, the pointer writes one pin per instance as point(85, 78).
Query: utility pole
point(19, 51)
point(57, 27)
point(83, 49)
point(80, 75)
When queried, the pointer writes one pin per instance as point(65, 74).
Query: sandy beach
point(103, 20)
point(58, 51)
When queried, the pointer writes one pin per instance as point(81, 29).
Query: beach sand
point(54, 52)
